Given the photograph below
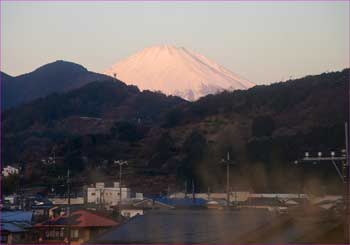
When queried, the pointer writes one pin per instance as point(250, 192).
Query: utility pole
point(68, 208)
point(193, 195)
point(343, 174)
point(228, 163)
point(348, 172)
point(120, 163)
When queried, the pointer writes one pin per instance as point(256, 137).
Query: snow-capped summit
point(176, 71)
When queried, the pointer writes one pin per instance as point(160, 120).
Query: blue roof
point(12, 216)
point(184, 202)
point(11, 227)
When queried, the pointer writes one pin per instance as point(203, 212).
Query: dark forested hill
point(167, 140)
point(53, 77)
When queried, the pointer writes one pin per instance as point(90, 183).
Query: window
point(55, 234)
point(93, 193)
point(4, 238)
point(74, 234)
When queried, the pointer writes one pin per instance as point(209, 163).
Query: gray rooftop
point(186, 226)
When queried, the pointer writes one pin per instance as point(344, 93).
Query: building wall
point(108, 196)
point(16, 238)
point(73, 200)
point(58, 235)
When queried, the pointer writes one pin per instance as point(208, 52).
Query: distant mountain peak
point(57, 76)
point(62, 66)
point(176, 71)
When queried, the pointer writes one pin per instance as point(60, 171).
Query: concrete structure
point(64, 201)
point(107, 196)
point(9, 170)
point(130, 212)
point(235, 196)
point(279, 195)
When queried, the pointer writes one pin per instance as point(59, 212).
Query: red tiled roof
point(79, 218)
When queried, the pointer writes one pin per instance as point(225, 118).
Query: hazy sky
point(262, 41)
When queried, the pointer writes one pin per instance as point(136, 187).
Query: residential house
point(133, 207)
point(83, 226)
point(16, 227)
point(147, 204)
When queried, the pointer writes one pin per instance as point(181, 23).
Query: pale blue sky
point(262, 41)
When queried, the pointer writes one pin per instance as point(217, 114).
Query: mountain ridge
point(266, 128)
point(57, 76)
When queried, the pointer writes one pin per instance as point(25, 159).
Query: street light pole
point(344, 175)
point(120, 163)
point(346, 167)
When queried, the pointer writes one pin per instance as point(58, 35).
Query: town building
point(129, 212)
point(16, 227)
point(9, 170)
point(152, 204)
point(183, 202)
point(105, 196)
point(133, 207)
point(235, 196)
point(83, 226)
point(64, 200)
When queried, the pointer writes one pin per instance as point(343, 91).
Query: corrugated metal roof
point(186, 202)
point(12, 227)
point(80, 218)
point(12, 216)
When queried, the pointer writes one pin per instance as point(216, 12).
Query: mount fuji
point(176, 71)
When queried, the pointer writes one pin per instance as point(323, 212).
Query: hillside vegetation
point(168, 141)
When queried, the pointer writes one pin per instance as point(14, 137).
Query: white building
point(64, 201)
point(107, 196)
point(9, 170)
point(131, 212)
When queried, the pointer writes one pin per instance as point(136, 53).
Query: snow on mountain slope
point(176, 71)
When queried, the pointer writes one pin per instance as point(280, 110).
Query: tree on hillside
point(194, 148)
point(10, 184)
point(163, 149)
point(263, 126)
point(126, 131)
